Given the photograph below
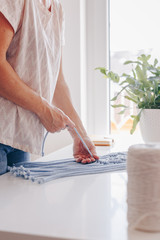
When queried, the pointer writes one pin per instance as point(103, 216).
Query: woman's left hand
point(81, 154)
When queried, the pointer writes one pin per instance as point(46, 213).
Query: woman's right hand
point(54, 119)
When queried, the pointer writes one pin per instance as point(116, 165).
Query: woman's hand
point(54, 119)
point(81, 154)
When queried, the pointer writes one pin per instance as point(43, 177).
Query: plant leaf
point(125, 75)
point(102, 70)
point(119, 105)
point(131, 99)
point(122, 112)
point(132, 95)
point(155, 62)
point(135, 121)
point(154, 70)
point(114, 98)
point(128, 62)
point(144, 58)
point(139, 73)
point(131, 80)
point(113, 76)
point(134, 74)
point(123, 82)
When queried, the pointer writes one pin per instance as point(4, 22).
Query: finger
point(86, 160)
point(93, 159)
point(79, 159)
point(89, 160)
point(77, 156)
point(96, 156)
point(82, 156)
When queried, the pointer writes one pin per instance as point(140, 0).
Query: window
point(134, 29)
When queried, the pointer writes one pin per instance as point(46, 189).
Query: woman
point(34, 96)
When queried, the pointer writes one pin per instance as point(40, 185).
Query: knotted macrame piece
point(42, 172)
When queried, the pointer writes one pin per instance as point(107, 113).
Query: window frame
point(96, 53)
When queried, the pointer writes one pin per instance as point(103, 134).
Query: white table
point(89, 207)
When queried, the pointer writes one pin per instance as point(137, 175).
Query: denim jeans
point(9, 156)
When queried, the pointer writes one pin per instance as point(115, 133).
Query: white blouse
point(34, 54)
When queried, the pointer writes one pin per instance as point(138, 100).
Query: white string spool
point(143, 167)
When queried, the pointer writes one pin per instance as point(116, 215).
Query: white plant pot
point(150, 125)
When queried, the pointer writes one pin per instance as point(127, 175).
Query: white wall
point(71, 68)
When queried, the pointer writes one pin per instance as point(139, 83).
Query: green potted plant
point(142, 87)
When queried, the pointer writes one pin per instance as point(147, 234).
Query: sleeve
point(13, 12)
point(62, 23)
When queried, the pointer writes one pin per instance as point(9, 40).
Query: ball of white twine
point(143, 167)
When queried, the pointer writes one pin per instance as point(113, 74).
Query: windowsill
point(122, 141)
point(127, 139)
